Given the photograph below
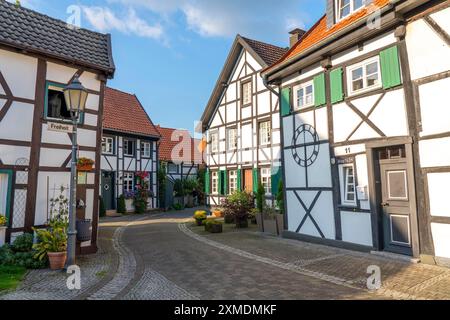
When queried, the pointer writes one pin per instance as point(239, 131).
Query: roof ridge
point(262, 42)
point(13, 6)
point(121, 91)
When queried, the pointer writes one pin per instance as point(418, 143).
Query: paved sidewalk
point(400, 280)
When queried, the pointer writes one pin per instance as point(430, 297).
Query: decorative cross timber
point(9, 96)
point(365, 118)
point(308, 212)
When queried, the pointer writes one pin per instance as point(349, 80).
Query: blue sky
point(170, 52)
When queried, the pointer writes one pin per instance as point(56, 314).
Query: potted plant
point(218, 213)
point(85, 164)
point(199, 217)
point(270, 220)
point(52, 243)
point(3, 222)
point(213, 226)
point(238, 205)
point(260, 207)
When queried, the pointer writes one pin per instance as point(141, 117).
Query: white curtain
point(3, 192)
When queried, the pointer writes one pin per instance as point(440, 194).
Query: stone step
point(395, 256)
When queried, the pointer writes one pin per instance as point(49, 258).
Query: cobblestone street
point(163, 257)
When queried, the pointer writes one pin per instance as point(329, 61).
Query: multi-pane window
point(232, 181)
point(146, 149)
point(364, 76)
point(107, 145)
point(128, 182)
point(265, 133)
point(247, 93)
point(214, 142)
point(232, 139)
point(347, 7)
point(128, 147)
point(266, 180)
point(305, 95)
point(215, 182)
point(348, 175)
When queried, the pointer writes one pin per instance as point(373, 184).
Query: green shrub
point(6, 255)
point(28, 260)
point(140, 206)
point(102, 209)
point(178, 188)
point(280, 197)
point(121, 206)
point(260, 194)
point(178, 206)
point(238, 205)
point(23, 243)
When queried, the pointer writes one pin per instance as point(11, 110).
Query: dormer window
point(347, 7)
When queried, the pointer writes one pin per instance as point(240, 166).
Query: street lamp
point(75, 95)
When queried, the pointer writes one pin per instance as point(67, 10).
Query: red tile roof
point(268, 52)
point(175, 142)
point(320, 31)
point(124, 113)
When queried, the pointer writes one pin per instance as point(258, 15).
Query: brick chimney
point(296, 34)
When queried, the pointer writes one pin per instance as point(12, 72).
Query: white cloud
point(217, 18)
point(105, 20)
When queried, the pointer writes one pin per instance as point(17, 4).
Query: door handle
point(385, 204)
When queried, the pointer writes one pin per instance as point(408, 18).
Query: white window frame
point(265, 137)
point(126, 149)
point(304, 86)
point(232, 138)
point(247, 92)
point(266, 180)
point(146, 149)
point(214, 138)
point(364, 65)
point(232, 181)
point(215, 182)
point(128, 182)
point(352, 9)
point(107, 144)
point(344, 182)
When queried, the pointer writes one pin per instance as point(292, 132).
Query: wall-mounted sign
point(60, 127)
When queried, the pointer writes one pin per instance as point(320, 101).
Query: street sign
point(60, 127)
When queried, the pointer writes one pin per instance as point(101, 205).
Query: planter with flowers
point(3, 222)
point(200, 216)
point(137, 201)
point(85, 164)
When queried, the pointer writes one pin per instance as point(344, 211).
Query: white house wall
point(231, 114)
point(430, 71)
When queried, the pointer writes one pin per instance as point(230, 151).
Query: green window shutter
point(225, 182)
point(221, 190)
point(390, 68)
point(207, 182)
point(275, 179)
point(285, 102)
point(319, 90)
point(239, 180)
point(255, 180)
point(337, 90)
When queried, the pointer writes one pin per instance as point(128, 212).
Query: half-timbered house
point(129, 148)
point(242, 124)
point(366, 129)
point(181, 155)
point(39, 56)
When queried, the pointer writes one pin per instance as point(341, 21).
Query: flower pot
point(280, 224)
point(270, 226)
point(57, 260)
point(84, 230)
point(259, 222)
point(241, 223)
point(215, 228)
point(2, 235)
point(85, 168)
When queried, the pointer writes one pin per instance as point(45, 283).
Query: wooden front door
point(248, 180)
point(395, 203)
point(108, 189)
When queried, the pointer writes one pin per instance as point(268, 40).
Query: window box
point(85, 165)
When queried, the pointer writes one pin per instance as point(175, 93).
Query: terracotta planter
point(85, 168)
point(57, 260)
point(2, 235)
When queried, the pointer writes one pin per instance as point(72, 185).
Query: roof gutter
point(317, 52)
